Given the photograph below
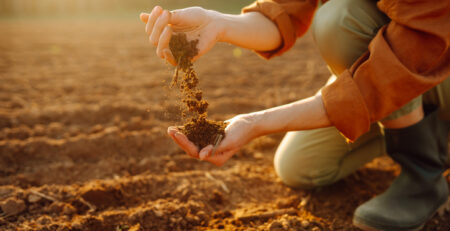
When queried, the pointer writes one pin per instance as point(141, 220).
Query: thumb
point(225, 145)
point(205, 152)
point(177, 16)
point(144, 17)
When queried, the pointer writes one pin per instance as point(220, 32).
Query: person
point(389, 93)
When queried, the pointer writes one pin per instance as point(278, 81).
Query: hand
point(196, 22)
point(239, 131)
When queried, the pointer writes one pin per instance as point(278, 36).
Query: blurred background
point(82, 9)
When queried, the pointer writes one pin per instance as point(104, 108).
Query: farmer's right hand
point(240, 130)
point(196, 22)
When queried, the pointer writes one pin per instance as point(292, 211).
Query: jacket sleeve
point(292, 17)
point(407, 57)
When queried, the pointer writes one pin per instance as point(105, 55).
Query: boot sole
point(441, 211)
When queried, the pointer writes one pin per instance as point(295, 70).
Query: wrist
point(227, 22)
point(220, 23)
point(257, 125)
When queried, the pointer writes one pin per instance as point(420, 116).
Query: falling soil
point(200, 130)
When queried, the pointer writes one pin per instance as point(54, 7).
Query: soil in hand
point(199, 130)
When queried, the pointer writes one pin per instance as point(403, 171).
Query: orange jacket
point(407, 57)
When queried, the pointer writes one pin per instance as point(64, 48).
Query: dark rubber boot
point(420, 190)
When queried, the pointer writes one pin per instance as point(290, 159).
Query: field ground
point(84, 109)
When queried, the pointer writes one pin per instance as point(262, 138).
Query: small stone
point(275, 226)
point(13, 206)
point(158, 213)
point(316, 229)
point(305, 224)
point(303, 202)
point(33, 198)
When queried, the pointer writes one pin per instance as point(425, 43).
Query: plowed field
point(84, 109)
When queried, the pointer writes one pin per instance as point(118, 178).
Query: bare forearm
point(304, 114)
point(251, 30)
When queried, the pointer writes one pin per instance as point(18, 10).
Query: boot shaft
point(422, 148)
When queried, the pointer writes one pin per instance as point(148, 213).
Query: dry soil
point(84, 109)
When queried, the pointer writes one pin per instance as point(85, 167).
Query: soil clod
point(12, 207)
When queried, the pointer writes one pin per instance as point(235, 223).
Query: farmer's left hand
point(239, 131)
point(197, 23)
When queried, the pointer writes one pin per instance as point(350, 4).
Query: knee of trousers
point(343, 30)
point(304, 173)
point(306, 161)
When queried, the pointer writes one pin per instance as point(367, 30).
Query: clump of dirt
point(198, 129)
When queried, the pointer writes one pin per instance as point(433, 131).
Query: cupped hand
point(196, 22)
point(239, 131)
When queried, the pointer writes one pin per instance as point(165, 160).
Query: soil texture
point(83, 143)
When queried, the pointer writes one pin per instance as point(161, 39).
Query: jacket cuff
point(279, 16)
point(345, 107)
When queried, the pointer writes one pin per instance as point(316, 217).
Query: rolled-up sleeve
point(406, 58)
point(292, 17)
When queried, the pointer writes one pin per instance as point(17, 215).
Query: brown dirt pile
point(200, 130)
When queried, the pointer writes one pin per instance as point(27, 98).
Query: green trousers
point(342, 31)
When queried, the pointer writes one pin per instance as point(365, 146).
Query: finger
point(179, 141)
point(181, 16)
point(172, 130)
point(220, 158)
point(187, 145)
point(169, 57)
point(158, 27)
point(176, 16)
point(164, 40)
point(205, 152)
point(183, 142)
point(156, 12)
point(144, 17)
point(225, 145)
